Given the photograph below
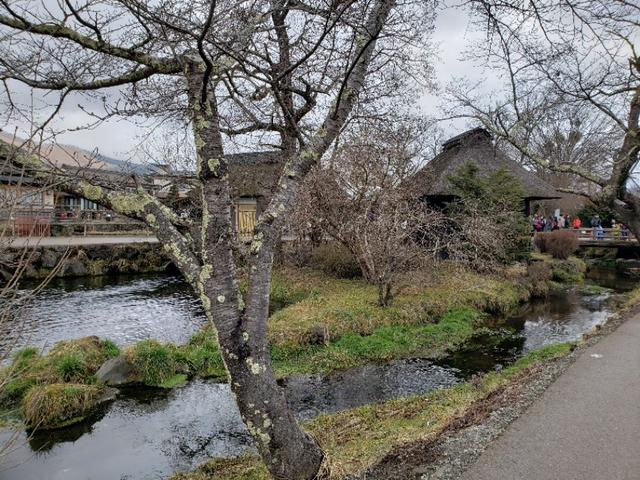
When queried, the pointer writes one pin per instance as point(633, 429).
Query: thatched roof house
point(476, 147)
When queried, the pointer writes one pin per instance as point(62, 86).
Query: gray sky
point(118, 138)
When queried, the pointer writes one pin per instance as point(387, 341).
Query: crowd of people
point(542, 223)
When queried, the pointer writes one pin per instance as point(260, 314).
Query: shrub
point(335, 260)
point(540, 241)
point(58, 405)
point(538, 275)
point(569, 271)
point(560, 244)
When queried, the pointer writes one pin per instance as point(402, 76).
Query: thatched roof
point(475, 147)
point(254, 174)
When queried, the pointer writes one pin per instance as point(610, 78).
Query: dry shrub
point(335, 260)
point(560, 244)
point(540, 241)
point(56, 405)
point(539, 274)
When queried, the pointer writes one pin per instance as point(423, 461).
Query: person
point(561, 221)
point(595, 223)
point(599, 232)
point(548, 224)
point(554, 224)
point(577, 223)
point(616, 229)
point(624, 231)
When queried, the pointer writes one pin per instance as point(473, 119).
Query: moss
point(58, 405)
point(356, 439)
point(177, 380)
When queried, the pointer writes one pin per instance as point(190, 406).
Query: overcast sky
point(118, 138)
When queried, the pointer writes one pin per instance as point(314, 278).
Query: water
point(148, 435)
point(125, 309)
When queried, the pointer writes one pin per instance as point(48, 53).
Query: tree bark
point(288, 452)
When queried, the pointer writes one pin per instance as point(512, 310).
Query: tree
point(487, 218)
point(558, 58)
point(359, 198)
point(288, 71)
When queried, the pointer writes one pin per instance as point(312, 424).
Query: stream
point(145, 435)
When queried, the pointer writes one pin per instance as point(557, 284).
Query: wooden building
point(431, 183)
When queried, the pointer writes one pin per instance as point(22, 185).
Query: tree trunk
point(385, 293)
point(287, 451)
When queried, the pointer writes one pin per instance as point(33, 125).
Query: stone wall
point(86, 260)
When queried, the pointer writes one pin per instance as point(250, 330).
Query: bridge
point(605, 237)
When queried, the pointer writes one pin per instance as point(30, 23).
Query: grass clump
point(154, 362)
point(74, 361)
point(58, 405)
point(166, 365)
point(202, 355)
point(355, 440)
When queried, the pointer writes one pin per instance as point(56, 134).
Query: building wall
point(25, 197)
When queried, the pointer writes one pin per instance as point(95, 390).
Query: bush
point(335, 260)
point(58, 405)
point(538, 275)
point(569, 271)
point(560, 244)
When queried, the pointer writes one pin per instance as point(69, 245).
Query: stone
point(49, 258)
point(116, 371)
point(75, 268)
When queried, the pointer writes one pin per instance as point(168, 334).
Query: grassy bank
point(319, 324)
point(357, 439)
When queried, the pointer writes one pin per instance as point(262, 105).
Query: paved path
point(586, 426)
point(21, 242)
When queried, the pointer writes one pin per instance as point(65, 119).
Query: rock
point(49, 258)
point(116, 371)
point(75, 268)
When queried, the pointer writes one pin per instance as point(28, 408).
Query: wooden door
point(245, 219)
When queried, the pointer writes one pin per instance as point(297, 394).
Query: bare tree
point(359, 198)
point(286, 72)
point(562, 62)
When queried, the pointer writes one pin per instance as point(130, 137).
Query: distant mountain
point(125, 165)
point(69, 155)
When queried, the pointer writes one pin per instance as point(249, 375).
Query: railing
point(600, 235)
